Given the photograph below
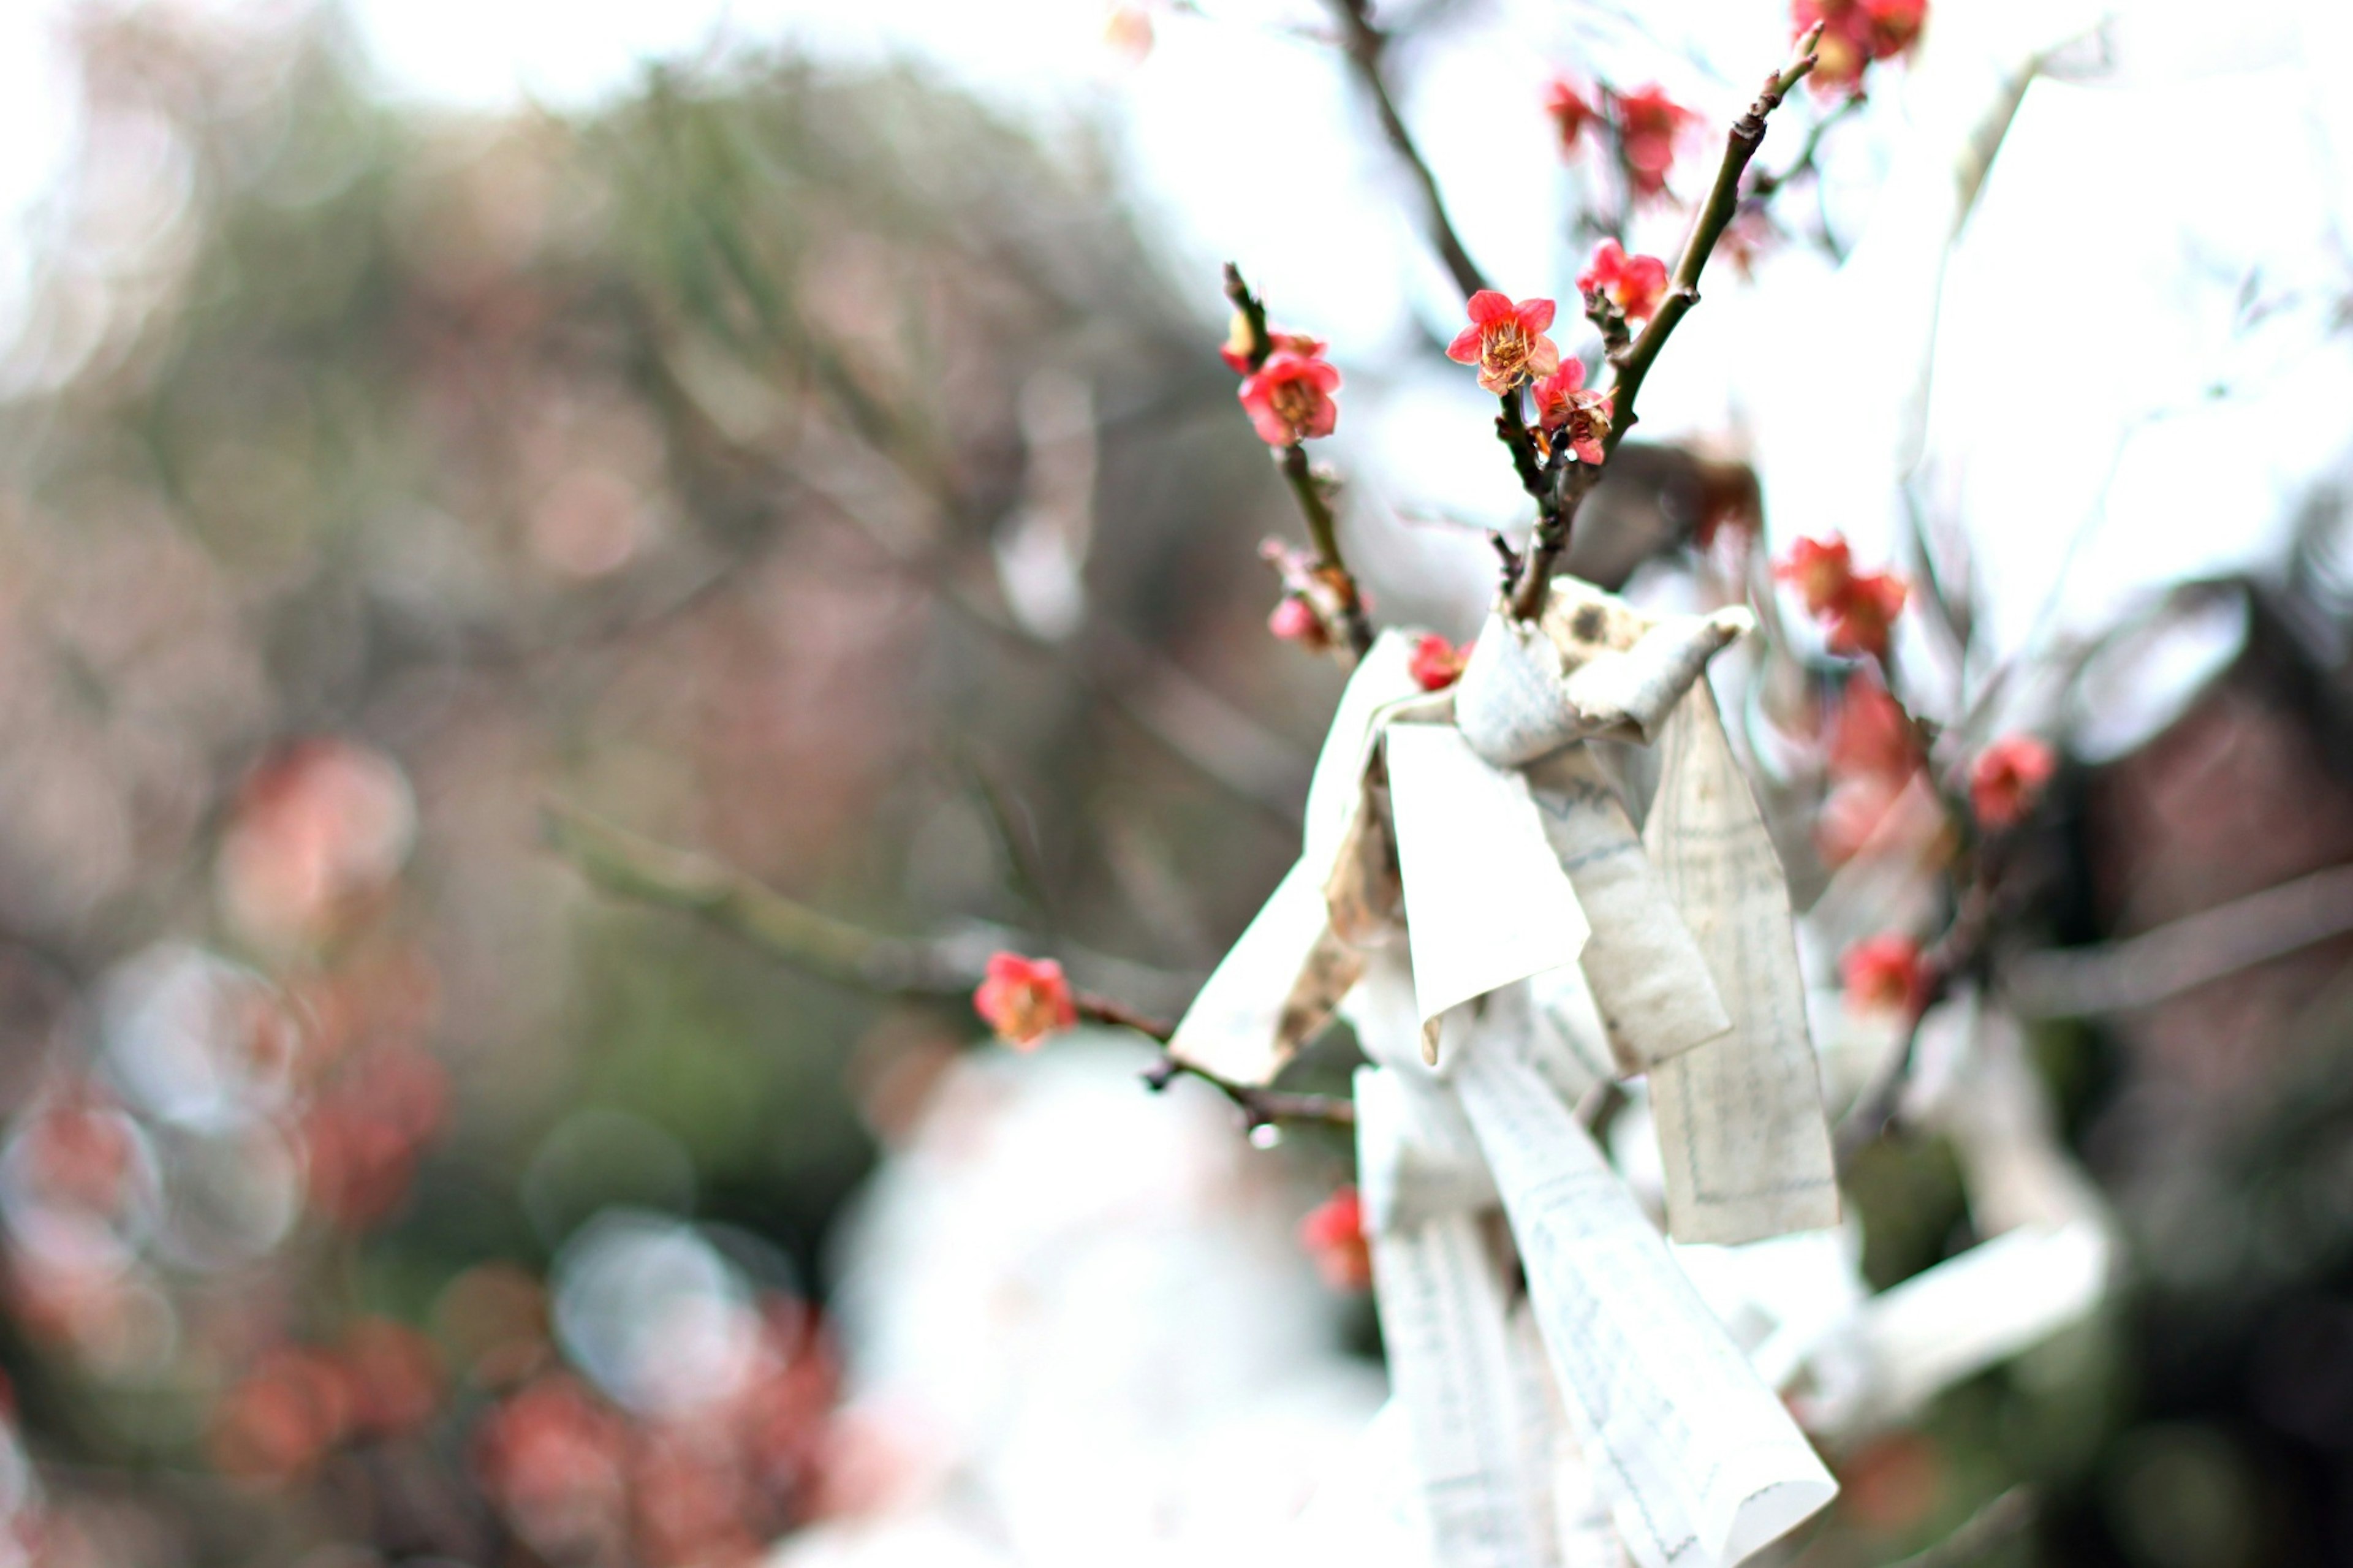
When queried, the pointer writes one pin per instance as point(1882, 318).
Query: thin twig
point(1365, 44)
point(1952, 954)
point(1558, 511)
point(1260, 1107)
point(1322, 527)
point(624, 863)
point(2162, 962)
point(630, 866)
point(1723, 202)
point(1804, 164)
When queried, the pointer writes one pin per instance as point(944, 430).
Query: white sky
point(2094, 300)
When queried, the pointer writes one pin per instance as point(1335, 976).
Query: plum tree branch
point(630, 866)
point(1556, 512)
point(1322, 525)
point(1365, 44)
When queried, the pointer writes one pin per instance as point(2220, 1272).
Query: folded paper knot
point(1591, 666)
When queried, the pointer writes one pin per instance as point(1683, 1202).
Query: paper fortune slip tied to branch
point(1473, 895)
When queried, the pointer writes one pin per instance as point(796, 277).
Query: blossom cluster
point(1647, 122)
point(1855, 34)
point(1858, 608)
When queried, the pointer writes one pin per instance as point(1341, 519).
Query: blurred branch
point(1558, 503)
point(633, 867)
point(624, 863)
point(1225, 744)
point(1723, 202)
point(1322, 527)
point(1767, 181)
point(1364, 44)
point(2008, 1514)
point(2182, 954)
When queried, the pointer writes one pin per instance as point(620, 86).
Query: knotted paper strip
point(1593, 666)
point(1281, 979)
point(1272, 990)
point(1702, 1463)
point(1486, 901)
point(1443, 1319)
point(1741, 1129)
point(1648, 980)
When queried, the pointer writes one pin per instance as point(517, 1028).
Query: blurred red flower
point(1025, 999)
point(1873, 754)
point(2008, 779)
point(1571, 112)
point(282, 1418)
point(1295, 620)
point(1333, 1235)
point(394, 1374)
point(1858, 608)
point(1435, 663)
point(362, 1135)
point(1883, 973)
point(318, 829)
point(1648, 123)
point(1505, 341)
point(554, 1458)
point(1635, 284)
point(1855, 33)
point(1861, 621)
point(1820, 569)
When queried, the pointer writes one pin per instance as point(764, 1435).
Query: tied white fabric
point(1472, 895)
point(1476, 827)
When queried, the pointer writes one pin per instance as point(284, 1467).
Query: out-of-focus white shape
point(652, 1312)
point(1842, 427)
point(231, 1193)
point(1780, 1297)
point(1368, 1514)
point(1082, 1306)
point(2044, 1265)
point(1042, 549)
point(1957, 1319)
point(194, 1039)
point(2140, 683)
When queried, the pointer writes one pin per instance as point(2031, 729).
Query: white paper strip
point(1273, 989)
point(1442, 1320)
point(1649, 979)
point(1703, 1464)
point(1381, 678)
point(1416, 1158)
point(1745, 1147)
point(1909, 1344)
point(1486, 902)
